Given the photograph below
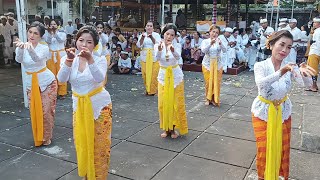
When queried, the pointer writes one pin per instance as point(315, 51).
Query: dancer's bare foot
point(164, 134)
point(47, 142)
point(174, 134)
point(207, 103)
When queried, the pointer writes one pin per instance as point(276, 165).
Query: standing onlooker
point(262, 35)
point(181, 20)
point(78, 24)
point(69, 28)
point(7, 32)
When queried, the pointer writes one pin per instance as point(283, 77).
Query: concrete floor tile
point(138, 161)
point(223, 149)
point(8, 151)
point(193, 168)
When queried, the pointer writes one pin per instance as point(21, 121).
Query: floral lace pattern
point(272, 86)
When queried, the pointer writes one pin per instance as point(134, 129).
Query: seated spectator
point(122, 39)
point(115, 58)
point(137, 66)
point(124, 63)
point(135, 51)
point(113, 43)
point(196, 53)
point(186, 51)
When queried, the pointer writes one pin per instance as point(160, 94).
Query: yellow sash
point(52, 65)
point(84, 134)
point(274, 138)
point(36, 108)
point(213, 77)
point(149, 64)
point(169, 105)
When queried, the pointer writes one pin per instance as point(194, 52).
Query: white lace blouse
point(84, 82)
point(173, 61)
point(210, 52)
point(56, 42)
point(34, 60)
point(272, 86)
point(147, 43)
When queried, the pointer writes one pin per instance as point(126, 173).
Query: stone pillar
point(100, 10)
point(151, 11)
point(247, 13)
point(228, 13)
point(214, 12)
point(238, 13)
point(170, 3)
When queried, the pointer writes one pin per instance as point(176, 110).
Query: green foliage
point(87, 6)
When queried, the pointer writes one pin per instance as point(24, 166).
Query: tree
point(87, 5)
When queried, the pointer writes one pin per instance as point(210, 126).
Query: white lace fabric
point(34, 60)
point(147, 43)
point(84, 82)
point(173, 61)
point(272, 86)
point(211, 51)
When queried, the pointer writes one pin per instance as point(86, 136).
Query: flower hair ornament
point(268, 40)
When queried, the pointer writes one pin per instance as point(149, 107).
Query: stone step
point(310, 137)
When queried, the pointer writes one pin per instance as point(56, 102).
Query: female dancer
point(92, 109)
point(41, 83)
point(271, 110)
point(56, 42)
point(171, 103)
point(149, 64)
point(212, 66)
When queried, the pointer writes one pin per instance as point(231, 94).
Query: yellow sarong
point(36, 112)
point(149, 63)
point(213, 79)
point(54, 68)
point(169, 104)
point(84, 134)
point(274, 138)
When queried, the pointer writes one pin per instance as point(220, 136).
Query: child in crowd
point(115, 58)
point(186, 51)
point(137, 67)
point(124, 63)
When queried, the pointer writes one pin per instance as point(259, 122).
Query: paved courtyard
point(220, 144)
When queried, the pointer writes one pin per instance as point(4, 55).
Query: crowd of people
point(82, 55)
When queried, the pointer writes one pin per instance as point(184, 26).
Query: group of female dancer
point(86, 70)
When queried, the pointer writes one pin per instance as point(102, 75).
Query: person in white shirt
point(40, 82)
point(137, 66)
point(238, 46)
point(272, 109)
point(296, 33)
point(171, 103)
point(56, 42)
point(283, 24)
point(228, 42)
point(7, 31)
point(263, 33)
point(314, 53)
point(69, 28)
point(250, 52)
point(149, 64)
point(212, 66)
point(196, 53)
point(124, 63)
point(92, 106)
